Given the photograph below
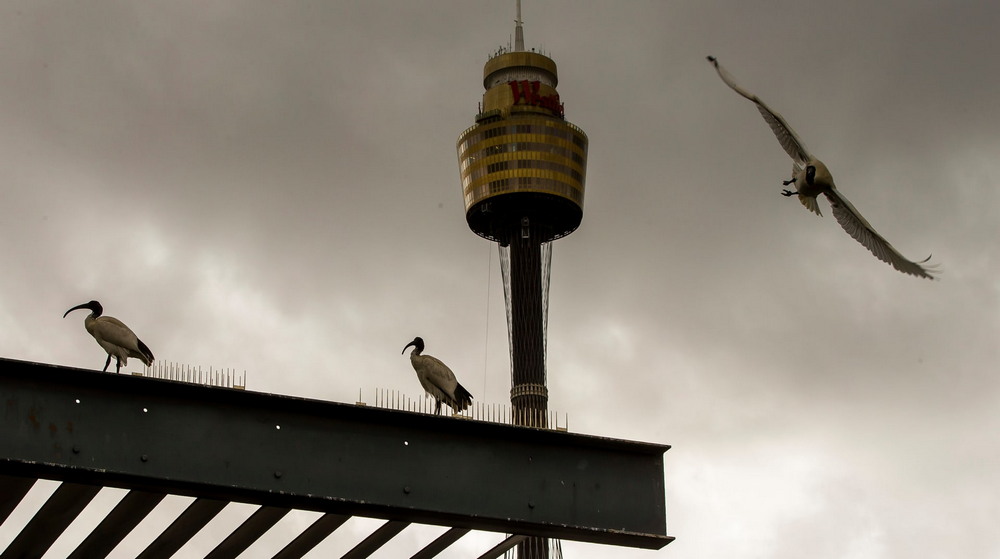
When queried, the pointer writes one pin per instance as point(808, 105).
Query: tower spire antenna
point(518, 30)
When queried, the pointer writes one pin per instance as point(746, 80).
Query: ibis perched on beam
point(437, 379)
point(112, 335)
point(811, 178)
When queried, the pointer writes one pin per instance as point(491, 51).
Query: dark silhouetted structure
point(156, 437)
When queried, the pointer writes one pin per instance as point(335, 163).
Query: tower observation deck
point(522, 159)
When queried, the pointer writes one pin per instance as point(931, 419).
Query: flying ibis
point(437, 379)
point(811, 178)
point(116, 338)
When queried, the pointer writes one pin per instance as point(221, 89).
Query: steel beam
point(441, 543)
point(50, 521)
point(12, 490)
point(171, 437)
point(250, 531)
point(134, 507)
point(312, 536)
point(503, 547)
point(199, 513)
point(377, 539)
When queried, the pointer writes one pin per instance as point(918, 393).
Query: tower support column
point(527, 303)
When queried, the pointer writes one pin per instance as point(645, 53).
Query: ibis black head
point(94, 306)
point(417, 342)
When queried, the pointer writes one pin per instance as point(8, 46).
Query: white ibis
point(437, 379)
point(116, 338)
point(812, 178)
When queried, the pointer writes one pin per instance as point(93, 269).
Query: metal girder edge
point(180, 438)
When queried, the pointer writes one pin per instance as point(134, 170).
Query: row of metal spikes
point(479, 411)
point(225, 378)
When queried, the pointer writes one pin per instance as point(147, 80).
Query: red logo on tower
point(527, 93)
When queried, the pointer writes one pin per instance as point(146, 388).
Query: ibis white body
point(811, 178)
point(437, 379)
point(118, 340)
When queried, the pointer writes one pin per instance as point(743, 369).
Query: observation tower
point(523, 168)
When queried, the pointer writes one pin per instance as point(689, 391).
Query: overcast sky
point(273, 187)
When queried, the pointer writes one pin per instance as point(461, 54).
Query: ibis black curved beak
point(407, 346)
point(78, 307)
point(92, 306)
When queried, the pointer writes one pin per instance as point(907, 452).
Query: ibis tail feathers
point(810, 203)
point(145, 355)
point(463, 399)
